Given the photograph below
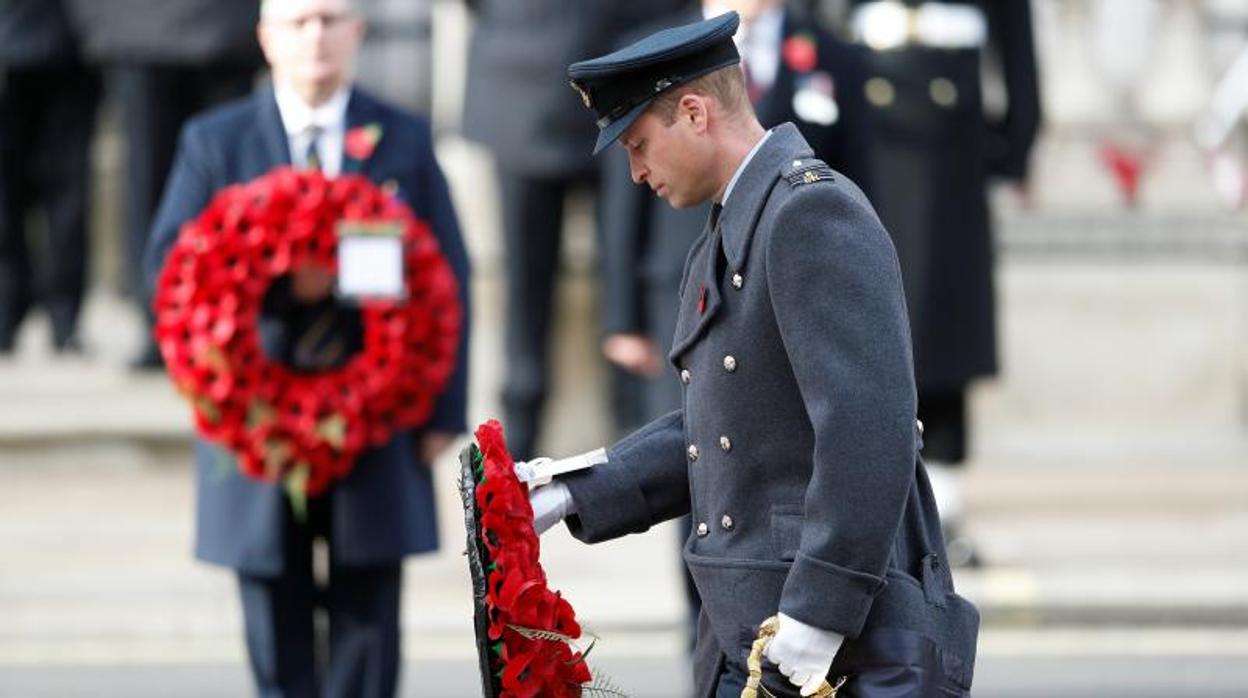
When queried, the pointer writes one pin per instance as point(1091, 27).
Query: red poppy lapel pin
point(361, 141)
point(800, 52)
point(702, 299)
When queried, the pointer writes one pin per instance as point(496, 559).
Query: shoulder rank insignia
point(806, 171)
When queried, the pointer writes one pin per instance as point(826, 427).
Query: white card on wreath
point(370, 261)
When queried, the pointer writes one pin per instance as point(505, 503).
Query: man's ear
point(694, 109)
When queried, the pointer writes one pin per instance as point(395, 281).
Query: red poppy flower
point(800, 53)
point(360, 142)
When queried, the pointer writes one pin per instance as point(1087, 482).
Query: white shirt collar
point(741, 168)
point(297, 116)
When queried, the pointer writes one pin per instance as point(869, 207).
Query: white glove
point(551, 504)
point(540, 471)
point(803, 652)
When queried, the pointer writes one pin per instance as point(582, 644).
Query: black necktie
point(715, 211)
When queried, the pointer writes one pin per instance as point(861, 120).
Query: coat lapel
point(276, 147)
point(700, 292)
point(362, 137)
point(699, 299)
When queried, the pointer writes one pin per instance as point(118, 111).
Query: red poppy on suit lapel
point(361, 141)
point(800, 53)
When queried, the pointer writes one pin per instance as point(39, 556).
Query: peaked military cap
point(619, 86)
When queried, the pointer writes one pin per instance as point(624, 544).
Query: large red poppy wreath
point(305, 429)
point(530, 625)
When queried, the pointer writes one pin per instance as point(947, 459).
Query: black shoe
point(149, 360)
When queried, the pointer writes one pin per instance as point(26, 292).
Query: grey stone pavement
point(1108, 488)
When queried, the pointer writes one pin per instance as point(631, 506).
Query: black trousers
point(47, 118)
point(290, 652)
point(155, 102)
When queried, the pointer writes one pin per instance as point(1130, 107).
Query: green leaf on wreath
point(206, 408)
point(276, 453)
point(333, 431)
point(260, 413)
point(296, 484)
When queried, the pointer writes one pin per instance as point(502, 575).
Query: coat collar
point(750, 193)
point(362, 112)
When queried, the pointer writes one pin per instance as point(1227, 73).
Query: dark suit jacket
point(384, 509)
point(931, 163)
point(517, 100)
point(647, 240)
point(796, 447)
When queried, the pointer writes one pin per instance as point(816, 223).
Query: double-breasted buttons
point(943, 92)
point(725, 443)
point(685, 376)
point(730, 363)
point(880, 92)
point(692, 451)
point(726, 523)
point(738, 281)
point(703, 529)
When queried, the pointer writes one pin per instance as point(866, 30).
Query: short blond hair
point(726, 86)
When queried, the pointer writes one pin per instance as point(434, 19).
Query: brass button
point(725, 443)
point(880, 92)
point(737, 281)
point(943, 92)
point(693, 453)
point(703, 529)
point(726, 522)
point(685, 376)
point(730, 363)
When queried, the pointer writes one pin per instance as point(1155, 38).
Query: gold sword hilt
point(767, 631)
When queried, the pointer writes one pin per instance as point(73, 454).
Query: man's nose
point(637, 170)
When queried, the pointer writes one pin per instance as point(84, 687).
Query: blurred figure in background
point(168, 60)
point(384, 509)
point(932, 151)
point(794, 73)
point(48, 99)
point(517, 103)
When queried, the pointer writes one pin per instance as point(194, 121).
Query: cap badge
point(589, 103)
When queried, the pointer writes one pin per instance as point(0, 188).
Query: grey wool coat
point(796, 448)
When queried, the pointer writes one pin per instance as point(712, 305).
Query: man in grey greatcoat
point(796, 446)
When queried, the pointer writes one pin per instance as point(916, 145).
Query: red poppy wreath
point(303, 429)
point(526, 632)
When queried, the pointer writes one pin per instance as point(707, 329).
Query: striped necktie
point(312, 156)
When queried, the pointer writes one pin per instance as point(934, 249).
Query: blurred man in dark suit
point(933, 149)
point(383, 510)
point(167, 60)
point(48, 103)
